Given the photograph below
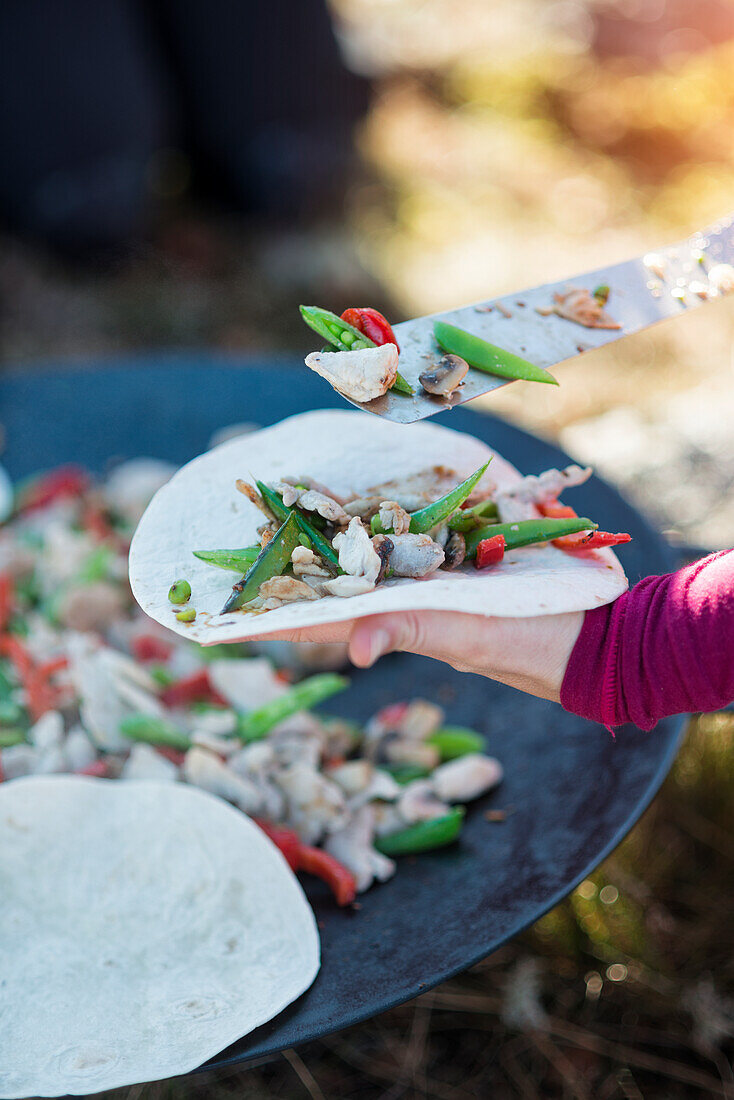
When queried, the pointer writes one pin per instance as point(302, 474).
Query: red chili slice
point(196, 688)
point(61, 483)
point(591, 540)
point(98, 769)
point(490, 551)
point(314, 861)
point(146, 647)
point(370, 322)
point(553, 509)
point(7, 599)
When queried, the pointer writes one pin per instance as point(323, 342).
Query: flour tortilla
point(200, 509)
point(145, 927)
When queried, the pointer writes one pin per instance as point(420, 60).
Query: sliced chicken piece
point(362, 782)
point(247, 682)
point(79, 752)
point(415, 555)
point(360, 375)
point(348, 586)
point(419, 802)
point(145, 763)
point(394, 518)
point(364, 507)
point(352, 846)
point(306, 563)
point(579, 304)
point(357, 555)
point(47, 732)
point(311, 500)
point(420, 720)
point(466, 778)
point(281, 590)
point(314, 805)
point(203, 769)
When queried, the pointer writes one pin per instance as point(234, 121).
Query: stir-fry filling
point(89, 685)
point(316, 543)
point(583, 306)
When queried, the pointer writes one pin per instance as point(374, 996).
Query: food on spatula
point(349, 515)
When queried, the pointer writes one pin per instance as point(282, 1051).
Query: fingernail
point(379, 644)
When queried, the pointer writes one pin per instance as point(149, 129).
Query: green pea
point(348, 339)
point(187, 615)
point(179, 592)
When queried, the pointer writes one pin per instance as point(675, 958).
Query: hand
point(528, 654)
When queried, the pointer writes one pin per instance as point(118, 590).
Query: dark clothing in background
point(253, 95)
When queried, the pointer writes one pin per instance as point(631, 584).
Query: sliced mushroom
point(444, 376)
point(454, 551)
point(383, 545)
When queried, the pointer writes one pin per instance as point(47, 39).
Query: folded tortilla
point(145, 927)
point(349, 452)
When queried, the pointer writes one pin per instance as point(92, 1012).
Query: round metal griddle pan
point(574, 790)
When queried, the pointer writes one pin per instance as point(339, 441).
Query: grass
point(625, 991)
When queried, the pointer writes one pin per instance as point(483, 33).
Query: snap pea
point(345, 337)
point(11, 736)
point(154, 731)
point(455, 741)
point(320, 544)
point(304, 696)
point(469, 518)
point(424, 836)
point(526, 532)
point(486, 357)
point(405, 773)
point(239, 561)
point(186, 615)
point(270, 562)
point(10, 712)
point(429, 517)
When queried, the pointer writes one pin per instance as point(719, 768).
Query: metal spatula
point(643, 291)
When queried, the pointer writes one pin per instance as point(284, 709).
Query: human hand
point(530, 654)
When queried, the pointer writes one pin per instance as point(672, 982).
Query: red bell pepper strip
point(7, 599)
point(174, 755)
point(372, 323)
point(490, 551)
point(98, 768)
point(584, 540)
point(147, 647)
point(391, 715)
point(95, 521)
point(196, 688)
point(41, 696)
point(314, 861)
point(62, 483)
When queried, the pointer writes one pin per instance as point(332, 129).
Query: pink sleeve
point(664, 647)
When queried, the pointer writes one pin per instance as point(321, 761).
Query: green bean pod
point(405, 773)
point(304, 696)
point(487, 357)
point(11, 736)
point(154, 731)
point(270, 562)
point(239, 561)
point(345, 337)
point(319, 543)
point(425, 519)
point(526, 532)
point(424, 836)
point(470, 518)
point(455, 741)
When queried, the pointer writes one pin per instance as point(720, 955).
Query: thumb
point(379, 634)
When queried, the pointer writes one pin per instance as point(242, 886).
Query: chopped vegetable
point(154, 731)
point(148, 647)
point(319, 544)
point(455, 741)
point(60, 484)
point(526, 532)
point(487, 357)
point(179, 592)
point(433, 514)
point(309, 693)
point(187, 615)
point(346, 337)
point(239, 561)
point(589, 540)
point(490, 551)
point(406, 773)
point(313, 861)
point(468, 518)
point(371, 323)
point(424, 836)
point(196, 688)
point(270, 562)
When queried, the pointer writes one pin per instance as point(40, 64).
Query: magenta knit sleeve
point(664, 647)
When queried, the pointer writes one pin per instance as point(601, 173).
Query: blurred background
point(181, 174)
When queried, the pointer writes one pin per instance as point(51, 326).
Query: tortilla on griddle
point(145, 927)
point(349, 452)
